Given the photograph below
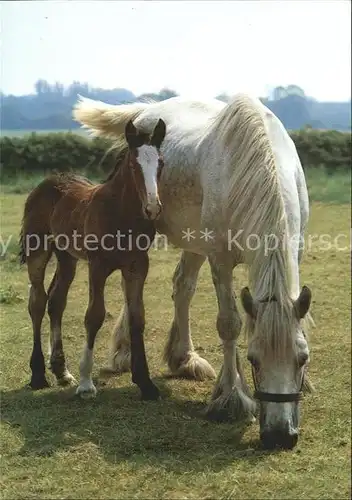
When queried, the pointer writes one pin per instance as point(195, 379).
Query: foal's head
point(146, 163)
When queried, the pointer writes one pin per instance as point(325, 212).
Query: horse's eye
point(302, 359)
point(254, 362)
point(160, 168)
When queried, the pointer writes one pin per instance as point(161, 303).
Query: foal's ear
point(130, 133)
point(302, 304)
point(247, 302)
point(158, 134)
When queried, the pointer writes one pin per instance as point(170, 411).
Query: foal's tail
point(37, 212)
point(104, 119)
point(22, 254)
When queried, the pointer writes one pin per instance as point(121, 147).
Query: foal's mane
point(255, 204)
point(121, 150)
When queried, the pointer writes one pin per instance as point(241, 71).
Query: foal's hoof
point(107, 372)
point(86, 390)
point(38, 382)
point(151, 393)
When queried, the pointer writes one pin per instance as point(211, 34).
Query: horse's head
point(146, 163)
point(279, 355)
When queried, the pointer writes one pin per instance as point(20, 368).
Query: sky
point(200, 49)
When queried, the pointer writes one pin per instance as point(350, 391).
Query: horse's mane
point(255, 205)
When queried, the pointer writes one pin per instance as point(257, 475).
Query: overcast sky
point(197, 48)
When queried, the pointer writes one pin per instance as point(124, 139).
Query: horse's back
point(180, 114)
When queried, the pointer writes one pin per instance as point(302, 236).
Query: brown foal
point(111, 226)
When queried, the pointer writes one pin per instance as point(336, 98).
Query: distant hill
point(50, 107)
point(296, 112)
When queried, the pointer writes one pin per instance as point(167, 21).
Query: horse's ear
point(247, 302)
point(302, 304)
point(130, 133)
point(158, 134)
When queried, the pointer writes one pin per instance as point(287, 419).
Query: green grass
point(55, 446)
point(19, 185)
point(329, 188)
point(8, 295)
point(322, 187)
point(25, 183)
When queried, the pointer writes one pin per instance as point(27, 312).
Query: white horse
point(233, 191)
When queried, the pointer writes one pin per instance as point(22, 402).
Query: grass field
point(55, 446)
point(322, 186)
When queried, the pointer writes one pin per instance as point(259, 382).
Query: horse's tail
point(104, 119)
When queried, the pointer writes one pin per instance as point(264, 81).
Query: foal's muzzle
point(153, 211)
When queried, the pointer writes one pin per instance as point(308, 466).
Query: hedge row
point(329, 148)
point(58, 151)
point(73, 152)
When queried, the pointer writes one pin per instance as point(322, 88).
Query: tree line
point(49, 107)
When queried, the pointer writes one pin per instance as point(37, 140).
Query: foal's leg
point(36, 265)
point(179, 352)
point(57, 293)
point(230, 396)
point(119, 357)
point(135, 276)
point(94, 319)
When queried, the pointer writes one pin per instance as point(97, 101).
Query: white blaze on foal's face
point(148, 159)
point(145, 152)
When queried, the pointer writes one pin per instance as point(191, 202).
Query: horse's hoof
point(38, 383)
point(86, 391)
point(67, 379)
point(150, 394)
point(231, 407)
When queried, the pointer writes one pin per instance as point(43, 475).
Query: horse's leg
point(179, 352)
point(36, 265)
point(119, 358)
point(57, 293)
point(93, 321)
point(230, 395)
point(134, 277)
point(307, 387)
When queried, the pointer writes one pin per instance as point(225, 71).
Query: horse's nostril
point(148, 213)
point(268, 440)
point(292, 441)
